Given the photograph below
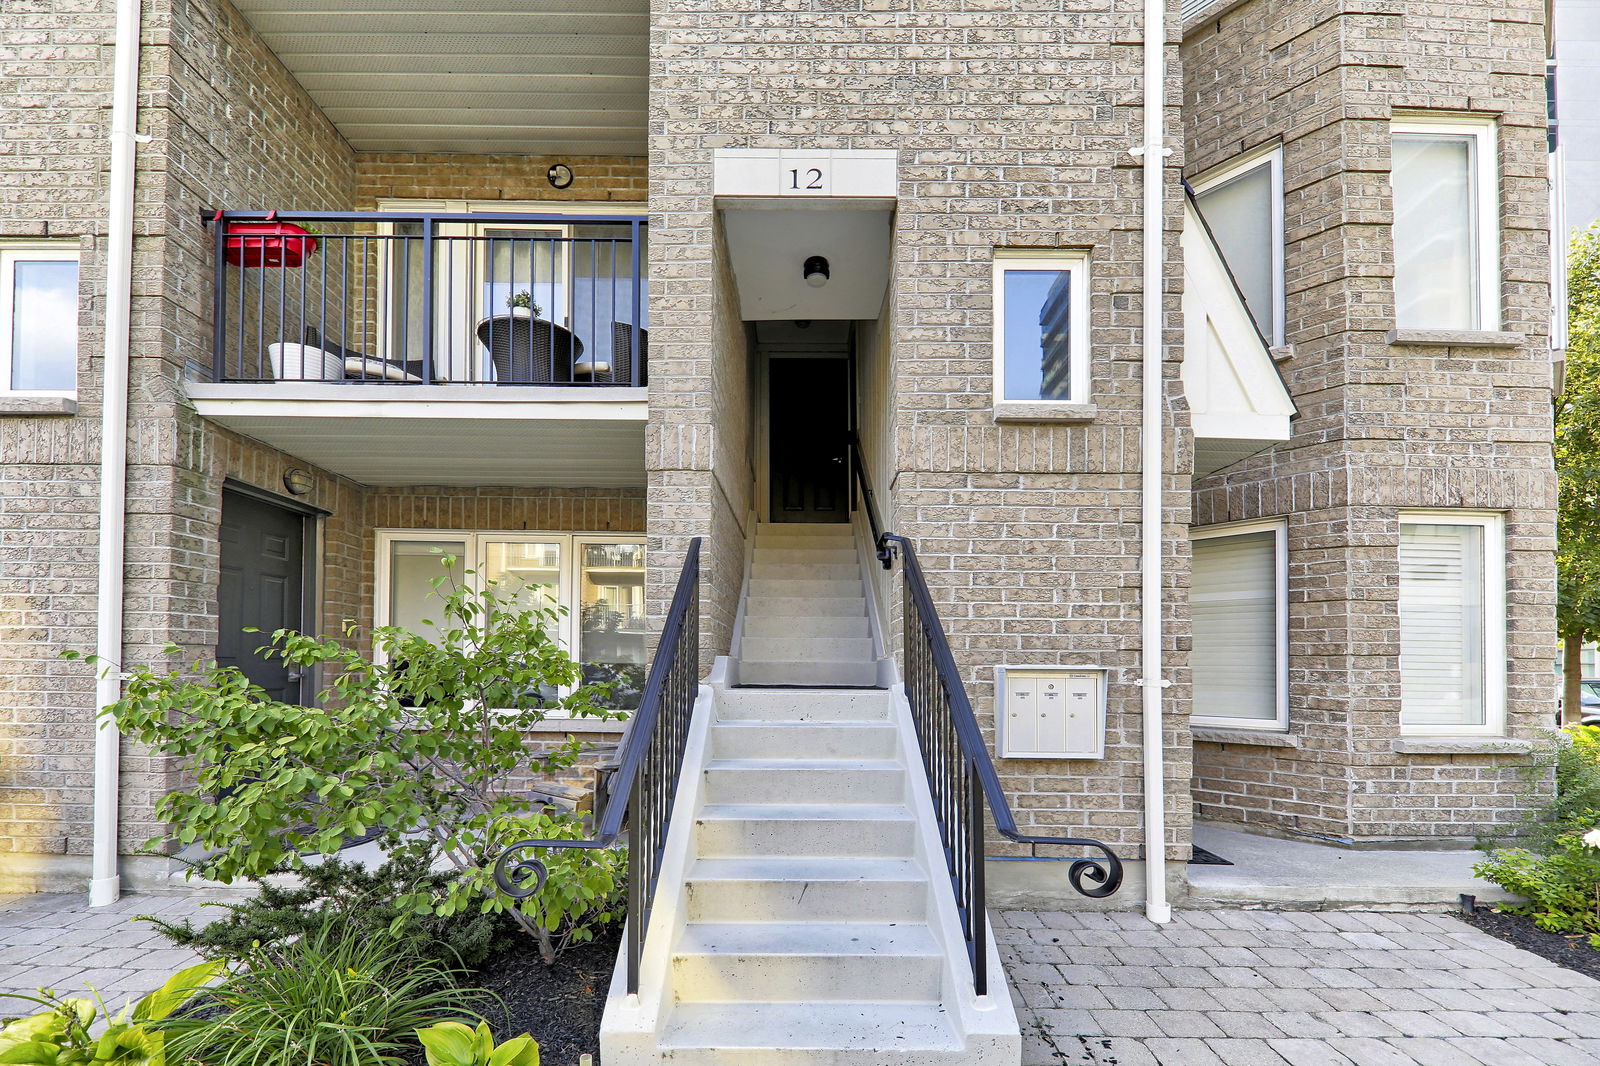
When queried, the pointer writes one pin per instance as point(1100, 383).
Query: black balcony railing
point(429, 299)
point(639, 795)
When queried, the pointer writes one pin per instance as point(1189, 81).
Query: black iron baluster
point(219, 304)
point(427, 300)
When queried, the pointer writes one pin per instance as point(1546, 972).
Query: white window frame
point(1271, 156)
point(567, 625)
point(1077, 264)
point(1494, 621)
point(1279, 527)
point(1486, 161)
point(11, 253)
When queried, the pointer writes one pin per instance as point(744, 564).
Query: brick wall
point(450, 176)
point(1382, 427)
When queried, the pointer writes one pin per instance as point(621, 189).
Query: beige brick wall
point(1381, 427)
point(452, 176)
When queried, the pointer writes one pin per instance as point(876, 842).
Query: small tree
point(424, 741)
point(1577, 452)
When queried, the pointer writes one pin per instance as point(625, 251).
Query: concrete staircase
point(805, 616)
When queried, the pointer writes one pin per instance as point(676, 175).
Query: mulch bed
point(1573, 952)
point(559, 1004)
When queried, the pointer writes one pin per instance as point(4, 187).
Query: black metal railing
point(424, 299)
point(642, 789)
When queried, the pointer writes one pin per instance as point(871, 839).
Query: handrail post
point(979, 914)
point(427, 300)
point(633, 313)
point(636, 852)
point(219, 303)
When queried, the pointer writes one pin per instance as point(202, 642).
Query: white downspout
point(1153, 154)
point(105, 884)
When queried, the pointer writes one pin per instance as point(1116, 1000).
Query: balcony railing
point(429, 299)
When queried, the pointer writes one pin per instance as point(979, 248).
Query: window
point(1446, 229)
point(38, 318)
point(1041, 326)
point(1242, 203)
point(1452, 623)
point(599, 579)
point(1239, 605)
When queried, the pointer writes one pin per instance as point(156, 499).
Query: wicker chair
point(529, 351)
point(622, 354)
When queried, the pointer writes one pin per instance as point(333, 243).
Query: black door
point(809, 446)
point(263, 585)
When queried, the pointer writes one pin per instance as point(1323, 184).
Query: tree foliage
point(1577, 452)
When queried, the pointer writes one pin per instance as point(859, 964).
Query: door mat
point(1202, 857)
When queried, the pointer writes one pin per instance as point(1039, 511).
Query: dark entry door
point(263, 585)
point(809, 447)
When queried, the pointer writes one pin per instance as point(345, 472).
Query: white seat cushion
point(586, 367)
point(364, 366)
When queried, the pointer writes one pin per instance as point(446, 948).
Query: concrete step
point(868, 1033)
point(805, 529)
point(800, 649)
point(807, 556)
point(805, 571)
point(806, 588)
point(789, 781)
point(732, 830)
point(792, 740)
point(789, 625)
point(794, 705)
point(805, 962)
point(807, 606)
point(823, 674)
point(807, 890)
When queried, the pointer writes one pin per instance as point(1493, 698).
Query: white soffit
point(525, 77)
point(1237, 401)
point(769, 246)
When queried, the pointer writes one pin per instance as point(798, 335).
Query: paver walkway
point(1289, 988)
point(56, 941)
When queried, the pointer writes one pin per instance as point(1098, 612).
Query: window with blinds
point(1242, 203)
point(1443, 625)
point(1236, 599)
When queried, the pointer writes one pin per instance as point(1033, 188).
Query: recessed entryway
point(262, 587)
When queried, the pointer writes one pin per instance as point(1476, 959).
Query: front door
point(263, 586)
point(809, 447)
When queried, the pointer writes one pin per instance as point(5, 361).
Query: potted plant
point(268, 243)
point(522, 305)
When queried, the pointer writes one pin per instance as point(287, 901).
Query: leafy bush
point(454, 1044)
point(61, 1033)
point(422, 741)
point(330, 998)
point(362, 901)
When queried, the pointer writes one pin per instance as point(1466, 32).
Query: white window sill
point(1260, 738)
point(1457, 338)
point(1461, 746)
point(582, 725)
point(37, 405)
point(1044, 411)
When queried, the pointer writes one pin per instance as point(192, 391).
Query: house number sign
point(772, 172)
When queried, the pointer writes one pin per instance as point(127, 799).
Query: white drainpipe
point(105, 883)
point(1153, 155)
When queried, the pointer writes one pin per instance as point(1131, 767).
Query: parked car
point(1589, 701)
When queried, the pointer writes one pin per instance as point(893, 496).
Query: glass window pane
point(517, 263)
point(1239, 213)
point(1435, 231)
point(414, 604)
point(1234, 599)
point(602, 286)
point(612, 619)
point(44, 325)
point(1441, 625)
point(528, 572)
point(1036, 333)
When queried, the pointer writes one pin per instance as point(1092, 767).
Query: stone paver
point(1265, 988)
point(59, 942)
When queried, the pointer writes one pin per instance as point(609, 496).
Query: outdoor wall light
point(816, 271)
point(299, 481)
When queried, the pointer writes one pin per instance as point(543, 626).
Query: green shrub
point(1561, 886)
point(62, 1033)
point(454, 1044)
point(330, 999)
point(422, 741)
point(361, 900)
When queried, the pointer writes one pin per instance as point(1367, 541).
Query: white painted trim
point(1076, 263)
point(1486, 180)
point(1269, 155)
point(474, 402)
point(31, 251)
point(1494, 620)
point(1279, 527)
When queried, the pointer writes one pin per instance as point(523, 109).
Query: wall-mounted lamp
point(299, 481)
point(559, 176)
point(816, 271)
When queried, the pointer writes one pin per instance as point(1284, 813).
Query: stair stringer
point(630, 1025)
point(988, 1023)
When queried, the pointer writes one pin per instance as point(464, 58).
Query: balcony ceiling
point(522, 77)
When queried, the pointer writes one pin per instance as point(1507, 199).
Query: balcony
point(512, 347)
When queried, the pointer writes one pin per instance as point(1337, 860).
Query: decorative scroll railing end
point(513, 868)
point(1096, 878)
